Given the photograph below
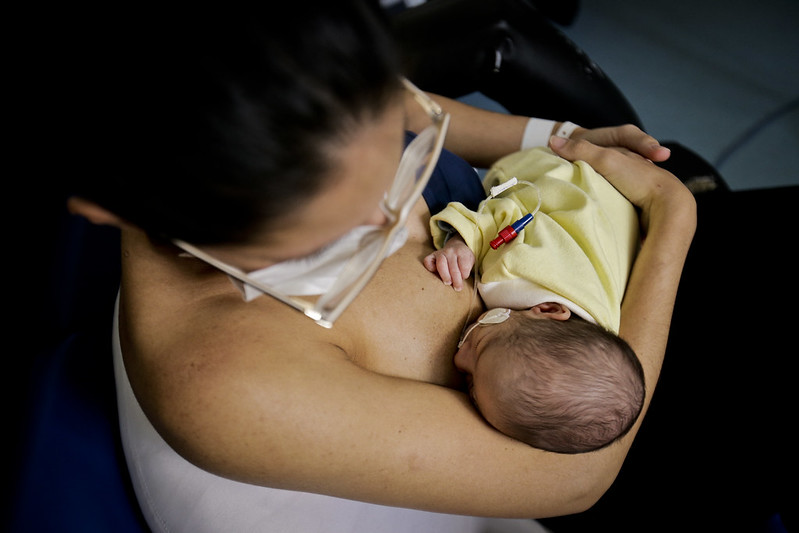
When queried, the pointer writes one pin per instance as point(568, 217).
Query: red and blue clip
point(512, 231)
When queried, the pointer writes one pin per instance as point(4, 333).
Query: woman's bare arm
point(311, 420)
point(481, 136)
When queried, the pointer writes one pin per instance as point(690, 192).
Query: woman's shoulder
point(207, 374)
point(193, 348)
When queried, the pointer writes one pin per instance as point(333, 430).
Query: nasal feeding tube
point(510, 232)
point(516, 227)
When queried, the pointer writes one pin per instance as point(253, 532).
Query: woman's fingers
point(633, 175)
point(629, 137)
point(636, 140)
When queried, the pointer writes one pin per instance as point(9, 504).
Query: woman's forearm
point(481, 136)
point(668, 221)
point(477, 135)
point(652, 288)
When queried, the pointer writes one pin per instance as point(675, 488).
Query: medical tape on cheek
point(497, 315)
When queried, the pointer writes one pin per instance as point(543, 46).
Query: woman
point(253, 142)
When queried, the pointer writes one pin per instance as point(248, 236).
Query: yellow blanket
point(580, 245)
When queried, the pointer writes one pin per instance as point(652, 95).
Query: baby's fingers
point(437, 263)
point(429, 262)
point(445, 271)
point(456, 274)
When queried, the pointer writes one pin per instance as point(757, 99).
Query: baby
point(553, 373)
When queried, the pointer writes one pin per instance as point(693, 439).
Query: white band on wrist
point(537, 132)
point(566, 129)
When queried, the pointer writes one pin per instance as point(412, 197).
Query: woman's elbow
point(580, 493)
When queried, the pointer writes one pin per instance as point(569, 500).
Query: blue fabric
point(74, 477)
point(71, 476)
point(452, 180)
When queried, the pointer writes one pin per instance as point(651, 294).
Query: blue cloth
point(452, 180)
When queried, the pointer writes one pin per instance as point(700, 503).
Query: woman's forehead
point(362, 172)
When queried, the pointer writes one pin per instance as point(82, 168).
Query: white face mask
point(316, 273)
point(497, 315)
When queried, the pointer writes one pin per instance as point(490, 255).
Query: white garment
point(317, 273)
point(176, 496)
point(520, 293)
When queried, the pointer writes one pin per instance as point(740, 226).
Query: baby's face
point(467, 354)
point(500, 321)
point(475, 356)
point(482, 358)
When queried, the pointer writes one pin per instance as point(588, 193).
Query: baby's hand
point(453, 262)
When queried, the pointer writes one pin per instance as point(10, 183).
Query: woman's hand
point(628, 136)
point(647, 186)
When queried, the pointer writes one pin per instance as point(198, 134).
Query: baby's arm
point(453, 262)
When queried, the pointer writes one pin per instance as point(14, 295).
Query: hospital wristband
point(566, 129)
point(538, 131)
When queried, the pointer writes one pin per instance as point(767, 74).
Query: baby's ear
point(93, 212)
point(552, 310)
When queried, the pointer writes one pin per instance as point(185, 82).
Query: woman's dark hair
point(217, 124)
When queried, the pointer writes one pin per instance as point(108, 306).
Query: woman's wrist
point(537, 132)
point(672, 210)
